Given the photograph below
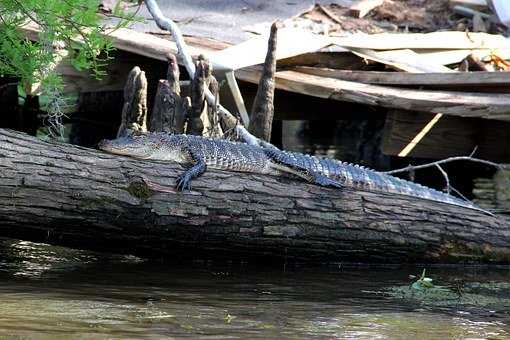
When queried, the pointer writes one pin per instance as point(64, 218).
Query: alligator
point(200, 152)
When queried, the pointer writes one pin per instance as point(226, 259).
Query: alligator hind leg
point(286, 163)
point(184, 180)
point(198, 168)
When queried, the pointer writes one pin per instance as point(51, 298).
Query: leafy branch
point(70, 28)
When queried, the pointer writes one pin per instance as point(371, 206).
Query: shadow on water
point(50, 292)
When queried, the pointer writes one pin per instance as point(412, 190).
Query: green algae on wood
point(139, 190)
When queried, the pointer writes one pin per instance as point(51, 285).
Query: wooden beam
point(447, 40)
point(238, 97)
point(478, 4)
point(405, 60)
point(445, 57)
point(253, 51)
point(465, 104)
point(336, 60)
point(412, 79)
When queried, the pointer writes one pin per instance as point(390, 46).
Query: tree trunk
point(72, 196)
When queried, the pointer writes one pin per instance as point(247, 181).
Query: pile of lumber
point(442, 77)
point(410, 71)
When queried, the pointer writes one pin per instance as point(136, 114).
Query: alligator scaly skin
point(200, 153)
point(356, 176)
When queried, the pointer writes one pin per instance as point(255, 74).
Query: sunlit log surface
point(65, 195)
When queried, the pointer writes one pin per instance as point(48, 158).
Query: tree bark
point(134, 112)
point(71, 196)
point(168, 113)
point(198, 103)
point(262, 111)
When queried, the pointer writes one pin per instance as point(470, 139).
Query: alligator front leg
point(287, 163)
point(198, 168)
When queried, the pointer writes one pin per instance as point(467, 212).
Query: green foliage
point(70, 28)
point(75, 24)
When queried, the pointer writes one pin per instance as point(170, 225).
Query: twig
point(446, 178)
point(443, 161)
point(474, 151)
point(464, 197)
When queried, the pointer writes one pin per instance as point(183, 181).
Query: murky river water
point(56, 293)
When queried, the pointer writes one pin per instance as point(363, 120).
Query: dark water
point(56, 293)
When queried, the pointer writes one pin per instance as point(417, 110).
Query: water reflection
point(50, 293)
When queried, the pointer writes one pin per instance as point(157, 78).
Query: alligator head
point(158, 146)
point(138, 146)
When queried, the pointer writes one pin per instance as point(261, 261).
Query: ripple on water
point(56, 293)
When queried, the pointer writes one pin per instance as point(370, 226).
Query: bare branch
point(446, 178)
point(443, 161)
point(466, 199)
point(475, 149)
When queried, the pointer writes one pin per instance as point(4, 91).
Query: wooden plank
point(363, 7)
point(253, 51)
point(478, 4)
point(471, 13)
point(405, 60)
point(83, 81)
point(443, 57)
point(413, 79)
point(465, 104)
point(451, 136)
point(238, 98)
point(130, 40)
point(446, 40)
point(337, 60)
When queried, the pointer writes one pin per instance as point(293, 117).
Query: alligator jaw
point(124, 146)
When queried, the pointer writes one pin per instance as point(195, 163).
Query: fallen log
point(71, 196)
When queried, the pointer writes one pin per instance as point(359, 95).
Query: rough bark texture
point(261, 118)
point(167, 110)
point(134, 112)
point(198, 104)
point(78, 197)
point(168, 113)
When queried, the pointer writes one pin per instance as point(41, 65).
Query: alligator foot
point(184, 180)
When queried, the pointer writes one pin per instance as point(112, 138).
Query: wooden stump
point(168, 114)
point(134, 112)
point(261, 118)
